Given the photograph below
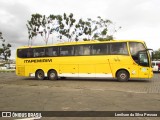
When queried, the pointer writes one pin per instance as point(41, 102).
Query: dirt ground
point(27, 94)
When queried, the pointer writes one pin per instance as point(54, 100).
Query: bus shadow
point(139, 80)
point(72, 79)
point(106, 80)
point(89, 79)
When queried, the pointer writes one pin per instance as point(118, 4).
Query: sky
point(139, 19)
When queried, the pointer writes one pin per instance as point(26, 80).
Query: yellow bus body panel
point(83, 66)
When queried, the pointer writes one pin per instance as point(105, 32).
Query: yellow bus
point(121, 59)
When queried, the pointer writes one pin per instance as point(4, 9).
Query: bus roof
point(82, 42)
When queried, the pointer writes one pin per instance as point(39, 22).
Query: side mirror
point(152, 56)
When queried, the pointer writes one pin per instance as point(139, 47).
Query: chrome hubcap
point(52, 75)
point(123, 76)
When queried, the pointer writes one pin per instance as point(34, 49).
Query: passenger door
point(143, 65)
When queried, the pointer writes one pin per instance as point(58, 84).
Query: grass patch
point(8, 70)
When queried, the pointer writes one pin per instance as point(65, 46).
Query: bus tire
point(122, 76)
point(40, 75)
point(52, 75)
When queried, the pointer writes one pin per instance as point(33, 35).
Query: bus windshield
point(139, 54)
point(135, 47)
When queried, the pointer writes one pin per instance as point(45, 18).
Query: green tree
point(5, 51)
point(67, 25)
point(33, 26)
point(156, 54)
point(41, 25)
point(79, 29)
point(97, 29)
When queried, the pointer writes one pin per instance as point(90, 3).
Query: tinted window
point(143, 59)
point(118, 48)
point(99, 49)
point(66, 51)
point(55, 51)
point(22, 53)
point(83, 50)
point(52, 51)
point(25, 53)
point(38, 52)
point(49, 51)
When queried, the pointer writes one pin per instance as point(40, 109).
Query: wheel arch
point(38, 70)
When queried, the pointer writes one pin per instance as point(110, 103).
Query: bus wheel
point(52, 75)
point(122, 76)
point(40, 75)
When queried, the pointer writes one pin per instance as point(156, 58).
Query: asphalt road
point(27, 94)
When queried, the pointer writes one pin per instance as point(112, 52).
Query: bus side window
point(30, 53)
point(66, 50)
point(86, 50)
point(119, 48)
point(39, 52)
point(83, 49)
point(34, 53)
point(123, 49)
point(77, 50)
point(48, 52)
point(70, 50)
point(80, 50)
point(99, 49)
point(114, 48)
point(55, 51)
point(23, 53)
